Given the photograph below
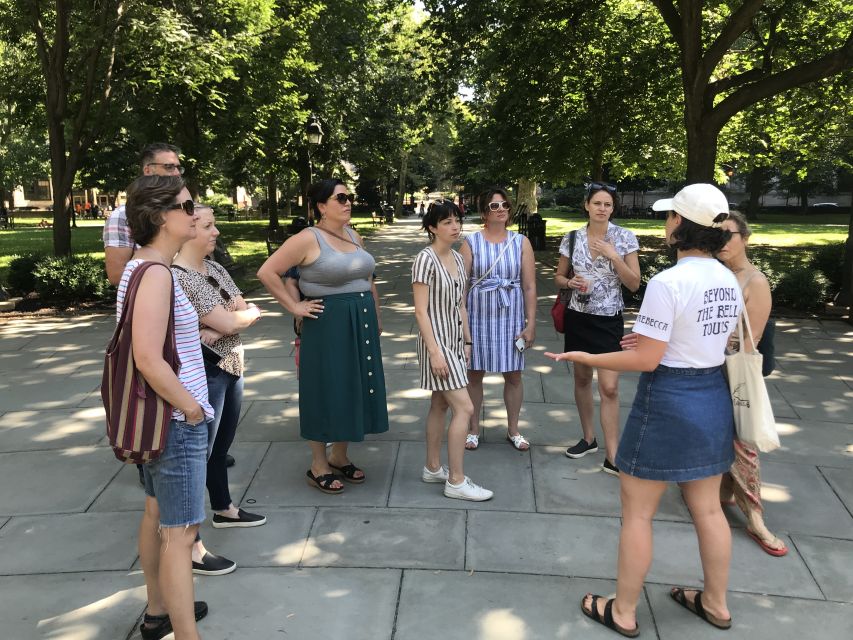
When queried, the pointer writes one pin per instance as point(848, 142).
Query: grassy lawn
point(777, 230)
point(246, 242)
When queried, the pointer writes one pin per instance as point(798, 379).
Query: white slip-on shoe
point(467, 490)
point(434, 476)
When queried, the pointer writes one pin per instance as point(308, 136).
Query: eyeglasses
point(496, 206)
point(343, 198)
point(600, 186)
point(169, 167)
point(222, 292)
point(187, 206)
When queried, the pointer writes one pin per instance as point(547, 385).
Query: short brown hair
point(153, 149)
point(148, 198)
point(742, 225)
point(486, 197)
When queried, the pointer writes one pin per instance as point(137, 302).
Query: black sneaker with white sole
point(609, 467)
point(243, 519)
point(582, 448)
point(156, 627)
point(213, 565)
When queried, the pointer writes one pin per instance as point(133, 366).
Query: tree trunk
point(287, 194)
point(803, 193)
point(272, 200)
point(701, 149)
point(845, 296)
point(756, 187)
point(62, 203)
point(398, 205)
point(527, 195)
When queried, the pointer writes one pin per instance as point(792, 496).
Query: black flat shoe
point(156, 627)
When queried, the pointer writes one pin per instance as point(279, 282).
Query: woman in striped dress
point(444, 348)
point(502, 309)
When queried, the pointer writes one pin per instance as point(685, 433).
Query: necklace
point(332, 233)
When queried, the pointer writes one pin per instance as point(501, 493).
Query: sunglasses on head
point(600, 186)
point(343, 198)
point(187, 206)
point(222, 292)
point(496, 206)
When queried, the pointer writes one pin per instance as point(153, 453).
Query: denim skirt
point(680, 427)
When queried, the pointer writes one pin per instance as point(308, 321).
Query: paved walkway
point(393, 558)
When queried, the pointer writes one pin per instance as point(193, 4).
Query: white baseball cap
point(699, 202)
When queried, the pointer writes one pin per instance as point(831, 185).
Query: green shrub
point(70, 279)
point(20, 276)
point(829, 259)
point(801, 289)
point(766, 267)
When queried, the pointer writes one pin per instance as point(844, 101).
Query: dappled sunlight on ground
point(502, 624)
point(775, 493)
point(85, 622)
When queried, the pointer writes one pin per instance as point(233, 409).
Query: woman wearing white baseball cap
point(680, 428)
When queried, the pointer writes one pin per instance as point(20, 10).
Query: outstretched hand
point(570, 356)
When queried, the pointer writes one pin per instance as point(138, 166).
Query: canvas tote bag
point(753, 414)
point(137, 418)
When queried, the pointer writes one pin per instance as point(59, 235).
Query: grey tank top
point(335, 271)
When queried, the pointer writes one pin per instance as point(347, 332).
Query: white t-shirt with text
point(694, 307)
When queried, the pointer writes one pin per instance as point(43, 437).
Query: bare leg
point(608, 391)
point(583, 399)
point(436, 419)
point(149, 555)
point(475, 391)
point(513, 397)
point(338, 457)
point(462, 408)
point(640, 499)
point(715, 542)
point(176, 579)
point(319, 462)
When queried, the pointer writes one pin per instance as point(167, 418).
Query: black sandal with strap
point(349, 471)
point(324, 482)
point(678, 594)
point(607, 619)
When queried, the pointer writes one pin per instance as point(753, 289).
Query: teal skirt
point(341, 381)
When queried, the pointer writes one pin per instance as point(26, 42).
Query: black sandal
point(349, 472)
point(607, 620)
point(324, 482)
point(677, 594)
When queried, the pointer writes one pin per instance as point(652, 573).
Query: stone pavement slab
point(356, 604)
point(281, 479)
point(830, 562)
point(756, 617)
point(676, 562)
point(78, 606)
point(541, 544)
point(493, 466)
point(580, 487)
point(63, 543)
point(497, 606)
point(51, 429)
point(63, 481)
point(398, 538)
point(278, 543)
point(270, 421)
point(841, 482)
point(813, 442)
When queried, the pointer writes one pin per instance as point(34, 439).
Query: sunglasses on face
point(187, 206)
point(343, 198)
point(601, 186)
point(497, 206)
point(215, 284)
point(168, 167)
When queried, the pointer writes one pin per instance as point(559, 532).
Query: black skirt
point(591, 333)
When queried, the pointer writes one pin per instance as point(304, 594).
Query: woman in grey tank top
point(341, 381)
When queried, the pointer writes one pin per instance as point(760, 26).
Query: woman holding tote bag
point(743, 481)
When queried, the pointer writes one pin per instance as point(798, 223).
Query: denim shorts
point(176, 478)
point(680, 427)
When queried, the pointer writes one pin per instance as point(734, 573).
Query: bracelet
point(469, 344)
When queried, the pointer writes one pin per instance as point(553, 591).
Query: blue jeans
point(176, 478)
point(225, 392)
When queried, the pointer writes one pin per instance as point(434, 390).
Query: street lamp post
point(314, 133)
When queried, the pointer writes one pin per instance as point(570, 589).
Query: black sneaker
point(243, 519)
point(213, 565)
point(582, 448)
point(229, 461)
point(156, 627)
point(609, 467)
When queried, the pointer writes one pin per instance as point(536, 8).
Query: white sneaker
point(467, 490)
point(434, 476)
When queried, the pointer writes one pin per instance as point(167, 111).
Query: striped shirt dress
point(445, 300)
point(495, 303)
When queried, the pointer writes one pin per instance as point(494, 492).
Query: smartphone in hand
point(519, 345)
